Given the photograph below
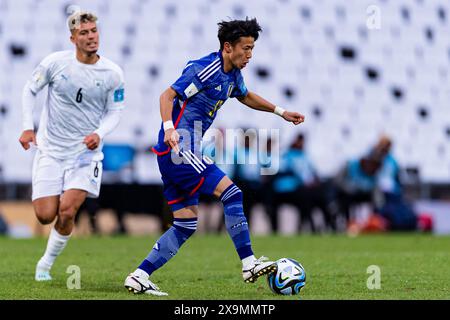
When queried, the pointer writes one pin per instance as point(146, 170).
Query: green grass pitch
point(413, 266)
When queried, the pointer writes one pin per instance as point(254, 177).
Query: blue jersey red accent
point(201, 90)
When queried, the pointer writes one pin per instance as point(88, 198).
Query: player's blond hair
point(77, 18)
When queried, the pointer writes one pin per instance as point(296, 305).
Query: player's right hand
point(171, 138)
point(27, 137)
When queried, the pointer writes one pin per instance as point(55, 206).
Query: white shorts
point(51, 176)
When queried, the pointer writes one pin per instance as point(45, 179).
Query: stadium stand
point(352, 82)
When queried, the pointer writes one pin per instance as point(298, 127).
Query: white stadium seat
point(300, 48)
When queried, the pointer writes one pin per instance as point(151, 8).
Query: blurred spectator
point(356, 183)
point(299, 184)
point(247, 171)
point(392, 211)
point(394, 207)
point(267, 192)
point(388, 177)
point(3, 225)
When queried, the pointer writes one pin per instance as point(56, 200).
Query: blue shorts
point(187, 176)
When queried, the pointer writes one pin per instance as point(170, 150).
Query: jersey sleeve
point(42, 74)
point(116, 95)
point(240, 90)
point(189, 83)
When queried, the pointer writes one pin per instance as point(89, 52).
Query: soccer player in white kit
point(84, 104)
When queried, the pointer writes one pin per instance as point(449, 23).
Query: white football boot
point(137, 285)
point(42, 273)
point(258, 268)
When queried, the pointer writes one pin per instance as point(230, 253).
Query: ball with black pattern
point(289, 277)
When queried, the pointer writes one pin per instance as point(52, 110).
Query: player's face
point(86, 38)
point(241, 52)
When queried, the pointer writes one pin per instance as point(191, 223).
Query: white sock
point(141, 273)
point(55, 245)
point(248, 260)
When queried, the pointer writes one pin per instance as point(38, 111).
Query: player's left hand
point(294, 117)
point(92, 141)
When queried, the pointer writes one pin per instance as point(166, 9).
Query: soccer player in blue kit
point(188, 108)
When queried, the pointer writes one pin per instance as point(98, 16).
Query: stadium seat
point(317, 57)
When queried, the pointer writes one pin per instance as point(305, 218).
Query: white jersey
point(79, 95)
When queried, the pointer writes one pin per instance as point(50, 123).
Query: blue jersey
point(201, 90)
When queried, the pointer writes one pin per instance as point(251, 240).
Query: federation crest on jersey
point(119, 95)
point(98, 83)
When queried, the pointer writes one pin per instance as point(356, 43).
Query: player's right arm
point(40, 78)
point(171, 136)
point(185, 87)
point(28, 101)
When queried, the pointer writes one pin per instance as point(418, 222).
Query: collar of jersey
point(222, 65)
point(85, 64)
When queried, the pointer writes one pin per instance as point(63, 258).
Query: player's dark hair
point(231, 31)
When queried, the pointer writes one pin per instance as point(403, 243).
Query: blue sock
point(167, 246)
point(235, 221)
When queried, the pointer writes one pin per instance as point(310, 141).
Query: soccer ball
point(289, 277)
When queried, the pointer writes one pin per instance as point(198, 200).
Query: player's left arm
point(256, 102)
point(114, 106)
point(108, 124)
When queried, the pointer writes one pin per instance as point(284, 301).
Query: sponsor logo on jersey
point(219, 88)
point(98, 83)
